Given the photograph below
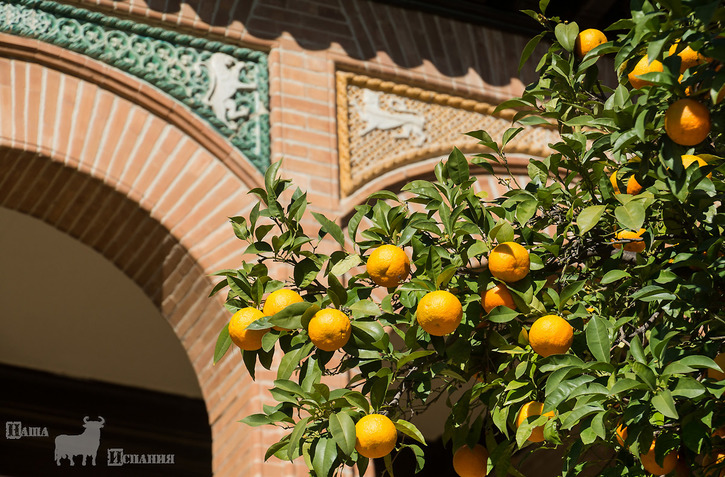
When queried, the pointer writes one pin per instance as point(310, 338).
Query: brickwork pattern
point(128, 171)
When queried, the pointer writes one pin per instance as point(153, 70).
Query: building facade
point(133, 129)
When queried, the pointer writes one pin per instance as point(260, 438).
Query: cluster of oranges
point(438, 312)
point(687, 121)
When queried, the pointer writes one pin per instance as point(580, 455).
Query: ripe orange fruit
point(388, 266)
point(587, 40)
point(278, 301)
point(633, 187)
point(248, 340)
point(718, 376)
point(688, 159)
point(469, 462)
point(687, 122)
point(637, 246)
point(688, 57)
point(533, 408)
point(551, 334)
point(621, 434)
point(497, 296)
point(650, 464)
point(439, 312)
point(329, 329)
point(509, 262)
point(375, 436)
point(643, 66)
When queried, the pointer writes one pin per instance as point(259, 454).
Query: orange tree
point(564, 313)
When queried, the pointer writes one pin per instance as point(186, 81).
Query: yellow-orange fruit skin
point(643, 66)
point(329, 329)
point(439, 312)
point(688, 159)
point(499, 295)
point(278, 301)
point(469, 462)
point(509, 261)
point(551, 334)
point(687, 122)
point(388, 266)
point(248, 340)
point(688, 57)
point(587, 40)
point(637, 246)
point(375, 436)
point(533, 408)
point(650, 464)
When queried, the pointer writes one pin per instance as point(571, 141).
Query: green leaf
point(256, 420)
point(291, 360)
point(344, 265)
point(325, 454)
point(635, 347)
point(331, 228)
point(289, 386)
point(525, 210)
point(589, 217)
point(457, 167)
point(508, 135)
point(222, 344)
point(290, 317)
point(663, 402)
point(624, 384)
point(342, 428)
point(270, 177)
point(529, 48)
point(295, 437)
point(569, 291)
point(598, 342)
point(566, 34)
point(688, 388)
point(358, 400)
point(305, 272)
point(384, 195)
point(645, 374)
point(614, 275)
point(365, 308)
point(502, 232)
point(502, 314)
point(413, 356)
point(653, 293)
point(631, 215)
point(410, 430)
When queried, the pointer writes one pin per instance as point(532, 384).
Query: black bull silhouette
point(85, 444)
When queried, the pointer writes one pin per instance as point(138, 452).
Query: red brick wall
point(84, 146)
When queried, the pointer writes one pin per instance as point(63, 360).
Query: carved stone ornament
point(383, 125)
point(227, 86)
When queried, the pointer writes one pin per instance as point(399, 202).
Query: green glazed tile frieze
point(226, 85)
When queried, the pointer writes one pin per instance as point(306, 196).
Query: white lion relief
point(411, 123)
point(224, 82)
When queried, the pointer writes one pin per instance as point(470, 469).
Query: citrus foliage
point(638, 279)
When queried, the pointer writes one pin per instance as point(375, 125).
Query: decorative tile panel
point(383, 125)
point(226, 85)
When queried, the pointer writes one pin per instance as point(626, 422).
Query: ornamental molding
point(383, 125)
point(227, 86)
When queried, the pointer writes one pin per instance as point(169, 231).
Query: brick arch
point(118, 166)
